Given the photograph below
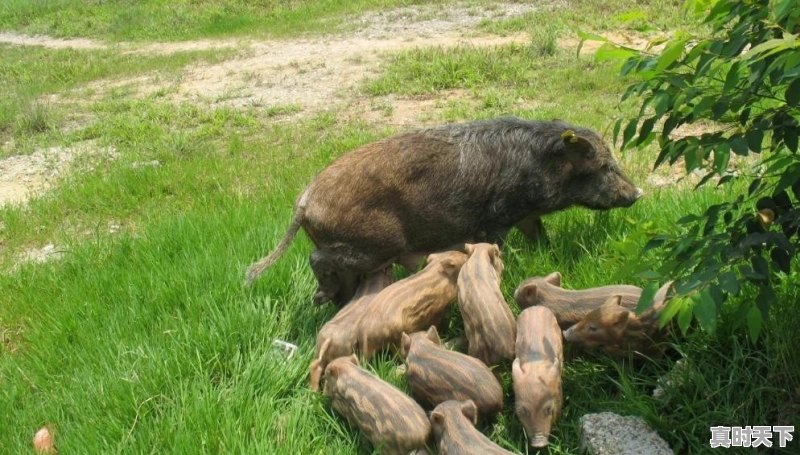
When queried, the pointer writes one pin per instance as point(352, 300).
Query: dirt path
point(308, 74)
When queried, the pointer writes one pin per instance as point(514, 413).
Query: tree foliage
point(741, 82)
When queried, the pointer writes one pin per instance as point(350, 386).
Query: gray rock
point(606, 433)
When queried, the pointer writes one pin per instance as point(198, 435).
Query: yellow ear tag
point(570, 136)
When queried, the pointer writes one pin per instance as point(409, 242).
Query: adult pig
point(427, 190)
point(338, 337)
point(488, 322)
point(390, 419)
point(536, 373)
point(453, 425)
point(436, 374)
point(411, 304)
point(570, 306)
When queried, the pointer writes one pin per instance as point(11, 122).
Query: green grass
point(144, 341)
point(182, 19)
point(29, 74)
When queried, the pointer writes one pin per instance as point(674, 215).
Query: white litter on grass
point(287, 350)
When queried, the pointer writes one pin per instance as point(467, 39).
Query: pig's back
point(538, 336)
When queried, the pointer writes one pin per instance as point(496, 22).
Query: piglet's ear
point(433, 335)
point(437, 419)
point(405, 344)
point(554, 279)
point(469, 248)
point(621, 320)
point(529, 291)
point(470, 411)
point(613, 301)
point(353, 359)
point(516, 368)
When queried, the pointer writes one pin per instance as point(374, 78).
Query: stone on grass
point(606, 433)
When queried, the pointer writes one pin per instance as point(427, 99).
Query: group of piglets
point(461, 389)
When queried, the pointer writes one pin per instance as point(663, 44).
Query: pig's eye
point(592, 328)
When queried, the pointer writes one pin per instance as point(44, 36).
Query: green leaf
point(670, 54)
point(739, 145)
point(685, 316)
point(754, 139)
point(754, 322)
point(769, 47)
point(630, 130)
point(729, 283)
point(609, 51)
point(793, 93)
point(790, 138)
point(732, 78)
point(705, 310)
point(722, 156)
point(669, 312)
point(617, 126)
point(646, 299)
point(645, 130)
point(661, 103)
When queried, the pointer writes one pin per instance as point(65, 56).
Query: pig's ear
point(578, 144)
point(437, 419)
point(353, 359)
point(331, 371)
point(516, 368)
point(470, 411)
point(405, 344)
point(433, 335)
point(620, 320)
point(529, 291)
point(554, 279)
point(661, 296)
point(469, 248)
point(612, 301)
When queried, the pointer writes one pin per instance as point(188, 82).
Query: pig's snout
point(538, 440)
point(631, 196)
point(568, 333)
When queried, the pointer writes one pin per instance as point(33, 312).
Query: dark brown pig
point(436, 374)
point(453, 425)
point(536, 373)
point(338, 337)
point(488, 322)
point(617, 330)
point(412, 304)
point(426, 190)
point(571, 306)
point(390, 419)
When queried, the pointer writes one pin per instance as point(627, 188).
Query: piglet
point(436, 374)
point(536, 373)
point(453, 424)
point(617, 330)
point(390, 419)
point(412, 304)
point(571, 306)
point(488, 322)
point(338, 337)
